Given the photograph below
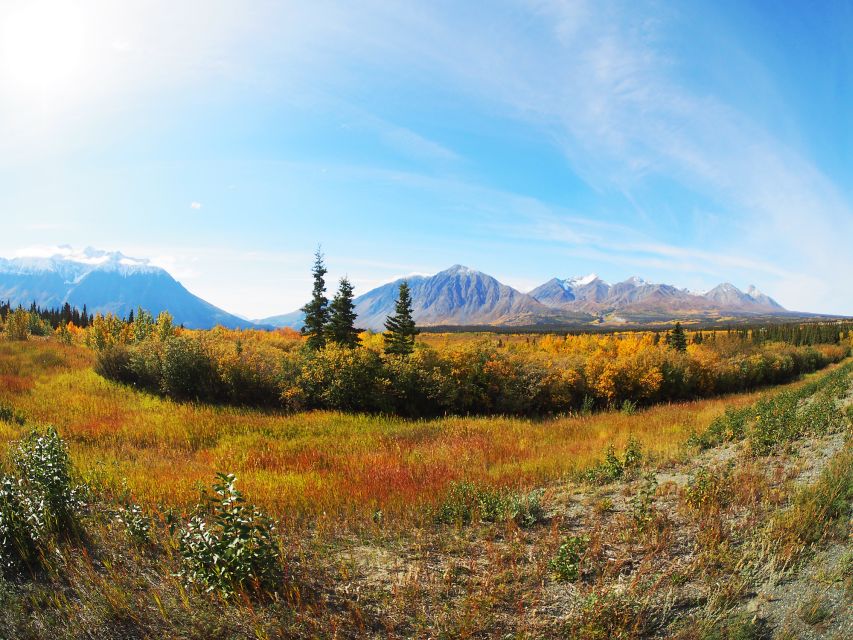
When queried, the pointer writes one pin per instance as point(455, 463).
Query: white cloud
point(195, 205)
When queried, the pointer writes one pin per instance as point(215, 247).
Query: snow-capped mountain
point(730, 297)
point(106, 282)
point(462, 296)
point(113, 282)
point(593, 295)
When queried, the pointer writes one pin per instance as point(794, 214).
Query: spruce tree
point(317, 311)
point(400, 337)
point(678, 339)
point(341, 327)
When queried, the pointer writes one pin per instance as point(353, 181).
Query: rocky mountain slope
point(106, 282)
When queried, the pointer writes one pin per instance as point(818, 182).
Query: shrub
point(113, 363)
point(18, 325)
point(708, 490)
point(249, 378)
point(821, 416)
point(526, 508)
point(465, 500)
point(228, 545)
point(8, 413)
point(187, 371)
point(458, 507)
point(416, 384)
point(22, 524)
point(566, 564)
point(345, 379)
point(42, 462)
point(633, 458)
point(135, 522)
point(39, 500)
point(642, 504)
point(612, 468)
point(146, 364)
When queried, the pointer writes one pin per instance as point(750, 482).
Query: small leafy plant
point(9, 414)
point(566, 563)
point(38, 499)
point(136, 523)
point(465, 502)
point(228, 545)
point(613, 468)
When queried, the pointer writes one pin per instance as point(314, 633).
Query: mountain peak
point(581, 281)
point(459, 269)
point(106, 282)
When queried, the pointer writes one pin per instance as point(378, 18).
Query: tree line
point(54, 316)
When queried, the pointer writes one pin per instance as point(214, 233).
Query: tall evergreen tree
point(401, 330)
point(678, 339)
point(341, 327)
point(317, 311)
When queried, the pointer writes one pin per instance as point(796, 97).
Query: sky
point(689, 143)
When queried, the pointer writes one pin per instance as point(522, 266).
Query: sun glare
point(43, 47)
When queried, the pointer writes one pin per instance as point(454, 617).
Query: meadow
point(339, 465)
point(370, 524)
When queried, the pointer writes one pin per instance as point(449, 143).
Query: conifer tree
point(678, 340)
point(401, 330)
point(341, 326)
point(317, 311)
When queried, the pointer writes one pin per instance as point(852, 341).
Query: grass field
point(385, 527)
point(344, 466)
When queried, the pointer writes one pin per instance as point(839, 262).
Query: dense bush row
point(810, 409)
point(563, 375)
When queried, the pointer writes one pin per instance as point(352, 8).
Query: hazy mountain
point(728, 296)
point(636, 296)
point(106, 282)
point(456, 296)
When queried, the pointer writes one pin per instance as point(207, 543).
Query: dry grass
point(676, 557)
point(312, 464)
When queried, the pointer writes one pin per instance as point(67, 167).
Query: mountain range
point(110, 282)
point(460, 296)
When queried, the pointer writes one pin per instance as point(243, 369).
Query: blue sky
point(688, 143)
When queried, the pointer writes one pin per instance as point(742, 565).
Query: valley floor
point(668, 541)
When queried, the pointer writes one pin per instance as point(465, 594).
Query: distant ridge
point(461, 296)
point(106, 282)
point(635, 297)
point(111, 282)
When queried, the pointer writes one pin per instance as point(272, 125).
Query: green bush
point(187, 371)
point(135, 522)
point(459, 505)
point(465, 501)
point(613, 468)
point(39, 499)
point(566, 564)
point(417, 384)
point(41, 460)
point(23, 524)
point(345, 379)
point(113, 363)
point(228, 546)
point(8, 413)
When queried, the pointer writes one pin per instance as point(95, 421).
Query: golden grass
point(316, 464)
